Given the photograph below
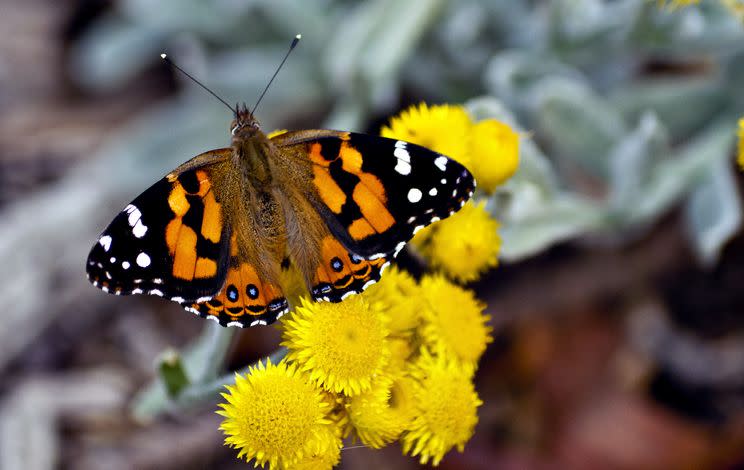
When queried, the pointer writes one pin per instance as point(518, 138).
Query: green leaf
point(713, 212)
point(579, 124)
point(631, 162)
point(524, 234)
point(682, 104)
point(671, 179)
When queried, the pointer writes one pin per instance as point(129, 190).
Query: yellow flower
point(447, 409)
point(372, 417)
point(343, 346)
point(442, 128)
point(275, 415)
point(454, 323)
point(740, 150)
point(322, 460)
point(494, 153)
point(397, 292)
point(464, 245)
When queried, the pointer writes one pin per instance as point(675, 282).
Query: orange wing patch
point(330, 192)
point(181, 238)
point(368, 193)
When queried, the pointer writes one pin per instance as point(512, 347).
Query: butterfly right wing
point(374, 193)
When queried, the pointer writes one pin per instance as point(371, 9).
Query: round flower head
point(740, 147)
point(342, 345)
point(442, 128)
point(454, 323)
point(372, 417)
point(398, 294)
point(447, 409)
point(494, 153)
point(275, 415)
point(464, 245)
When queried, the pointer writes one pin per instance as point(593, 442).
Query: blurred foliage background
point(617, 308)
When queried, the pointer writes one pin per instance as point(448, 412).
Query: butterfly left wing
point(375, 193)
point(171, 241)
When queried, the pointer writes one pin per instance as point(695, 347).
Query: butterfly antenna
point(172, 64)
point(291, 46)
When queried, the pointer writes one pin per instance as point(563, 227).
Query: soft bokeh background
point(618, 307)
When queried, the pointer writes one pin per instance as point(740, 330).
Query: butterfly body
point(215, 233)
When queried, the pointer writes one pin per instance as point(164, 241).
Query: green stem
point(153, 400)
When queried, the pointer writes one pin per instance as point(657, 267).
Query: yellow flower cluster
point(397, 362)
point(467, 244)
point(393, 364)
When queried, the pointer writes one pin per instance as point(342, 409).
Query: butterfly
point(215, 233)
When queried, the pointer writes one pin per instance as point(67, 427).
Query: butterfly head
point(244, 125)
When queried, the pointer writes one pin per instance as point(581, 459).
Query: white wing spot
point(180, 300)
point(403, 167)
point(125, 264)
point(416, 230)
point(105, 242)
point(414, 195)
point(433, 192)
point(435, 219)
point(441, 162)
point(443, 180)
point(143, 260)
point(157, 292)
point(139, 229)
point(404, 159)
point(112, 260)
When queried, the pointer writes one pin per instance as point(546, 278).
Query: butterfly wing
point(171, 241)
point(372, 192)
